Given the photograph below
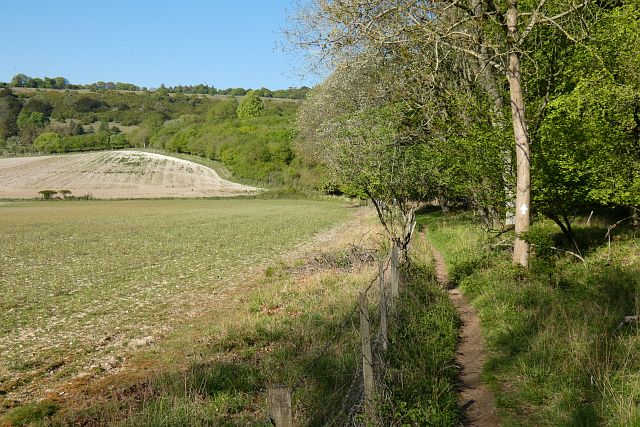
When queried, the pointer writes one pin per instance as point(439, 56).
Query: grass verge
point(557, 356)
point(216, 370)
point(421, 378)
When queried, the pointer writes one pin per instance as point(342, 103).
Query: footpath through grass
point(82, 282)
point(557, 356)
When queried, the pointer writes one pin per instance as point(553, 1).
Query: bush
point(48, 142)
point(250, 106)
point(48, 194)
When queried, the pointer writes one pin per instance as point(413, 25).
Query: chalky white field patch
point(113, 174)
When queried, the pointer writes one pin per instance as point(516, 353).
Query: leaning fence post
point(394, 271)
point(280, 406)
point(383, 307)
point(367, 359)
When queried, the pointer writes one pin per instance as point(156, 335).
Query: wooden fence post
point(367, 359)
point(280, 406)
point(394, 271)
point(383, 307)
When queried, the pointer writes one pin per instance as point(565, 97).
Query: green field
point(83, 281)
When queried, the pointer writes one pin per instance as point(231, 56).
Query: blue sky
point(232, 43)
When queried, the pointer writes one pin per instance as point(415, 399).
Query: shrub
point(48, 194)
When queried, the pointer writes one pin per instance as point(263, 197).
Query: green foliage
point(30, 124)
point(22, 80)
point(28, 119)
point(588, 152)
point(223, 110)
point(588, 139)
point(250, 106)
point(292, 93)
point(542, 236)
point(10, 107)
point(256, 150)
point(48, 142)
point(51, 142)
point(39, 105)
point(86, 104)
point(48, 194)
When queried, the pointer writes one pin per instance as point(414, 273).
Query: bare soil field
point(84, 284)
point(113, 175)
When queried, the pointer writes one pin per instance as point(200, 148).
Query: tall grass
point(557, 355)
point(421, 379)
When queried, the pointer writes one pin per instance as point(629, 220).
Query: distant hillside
point(254, 144)
point(115, 174)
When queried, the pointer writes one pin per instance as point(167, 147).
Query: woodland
point(509, 108)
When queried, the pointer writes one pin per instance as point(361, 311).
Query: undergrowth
point(421, 378)
point(558, 355)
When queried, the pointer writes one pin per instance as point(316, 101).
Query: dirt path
point(475, 398)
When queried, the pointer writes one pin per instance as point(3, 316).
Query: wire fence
point(357, 403)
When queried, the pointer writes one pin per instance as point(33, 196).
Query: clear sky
point(225, 43)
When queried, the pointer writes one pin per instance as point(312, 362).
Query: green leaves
point(250, 106)
point(588, 150)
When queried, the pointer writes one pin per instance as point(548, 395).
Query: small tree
point(223, 110)
point(48, 194)
point(351, 124)
point(250, 106)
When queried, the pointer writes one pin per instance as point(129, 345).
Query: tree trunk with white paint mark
point(523, 172)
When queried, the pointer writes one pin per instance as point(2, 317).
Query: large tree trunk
point(489, 81)
point(523, 164)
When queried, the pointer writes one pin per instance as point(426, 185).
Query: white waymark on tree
point(524, 209)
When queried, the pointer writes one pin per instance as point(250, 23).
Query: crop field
point(113, 174)
point(82, 282)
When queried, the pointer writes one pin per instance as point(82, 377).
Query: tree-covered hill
point(252, 135)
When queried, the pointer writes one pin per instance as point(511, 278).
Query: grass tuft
point(32, 414)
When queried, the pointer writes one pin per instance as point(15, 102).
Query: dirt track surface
point(111, 175)
point(476, 400)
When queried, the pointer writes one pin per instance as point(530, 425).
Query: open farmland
point(113, 174)
point(82, 282)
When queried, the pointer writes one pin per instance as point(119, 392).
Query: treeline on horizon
point(22, 80)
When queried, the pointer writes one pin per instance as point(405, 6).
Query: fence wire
point(352, 403)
